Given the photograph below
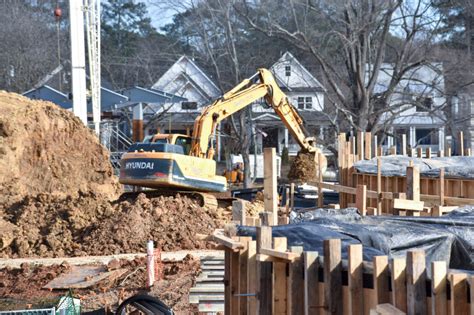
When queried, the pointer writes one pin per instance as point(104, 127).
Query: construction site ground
point(59, 198)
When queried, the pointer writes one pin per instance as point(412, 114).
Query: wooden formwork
point(264, 276)
point(381, 191)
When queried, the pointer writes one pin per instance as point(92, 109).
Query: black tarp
point(449, 238)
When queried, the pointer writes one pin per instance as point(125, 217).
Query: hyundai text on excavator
point(180, 162)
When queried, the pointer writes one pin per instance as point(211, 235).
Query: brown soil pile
point(304, 167)
point(52, 226)
point(20, 288)
point(46, 149)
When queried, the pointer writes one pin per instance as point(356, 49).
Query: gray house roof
point(47, 93)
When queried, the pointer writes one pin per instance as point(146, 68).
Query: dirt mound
point(46, 149)
point(52, 226)
point(304, 167)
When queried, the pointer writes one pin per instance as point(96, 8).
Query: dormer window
point(305, 102)
point(287, 71)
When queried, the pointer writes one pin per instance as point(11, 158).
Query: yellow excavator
point(180, 162)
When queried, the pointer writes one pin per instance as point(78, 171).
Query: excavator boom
point(182, 162)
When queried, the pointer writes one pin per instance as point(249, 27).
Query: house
point(462, 113)
point(417, 107)
point(47, 93)
point(305, 92)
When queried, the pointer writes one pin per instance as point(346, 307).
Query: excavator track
point(210, 201)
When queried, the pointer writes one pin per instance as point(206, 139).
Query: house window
point(305, 102)
point(188, 105)
point(424, 104)
point(287, 71)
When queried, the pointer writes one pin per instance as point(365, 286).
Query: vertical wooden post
point(270, 184)
point(360, 145)
point(379, 186)
point(440, 153)
point(393, 150)
point(441, 186)
point(280, 278)
point(368, 145)
point(356, 290)
point(381, 276)
point(251, 277)
point(239, 212)
point(235, 281)
point(361, 199)
point(428, 152)
point(320, 181)
point(419, 152)
point(416, 282)
point(458, 285)
point(311, 283)
point(227, 281)
point(448, 151)
point(332, 276)
point(439, 300)
point(413, 183)
point(399, 287)
point(468, 152)
point(264, 272)
point(471, 297)
point(404, 145)
point(461, 143)
point(243, 280)
point(379, 150)
point(296, 282)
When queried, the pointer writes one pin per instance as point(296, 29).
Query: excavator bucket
point(160, 165)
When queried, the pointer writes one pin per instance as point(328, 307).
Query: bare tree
point(351, 40)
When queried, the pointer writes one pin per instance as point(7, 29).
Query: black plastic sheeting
point(449, 238)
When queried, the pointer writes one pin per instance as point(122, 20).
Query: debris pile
point(46, 149)
point(51, 226)
point(303, 169)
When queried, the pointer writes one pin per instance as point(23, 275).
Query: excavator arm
point(262, 84)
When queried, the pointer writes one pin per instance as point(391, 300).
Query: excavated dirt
point(22, 288)
point(304, 167)
point(52, 226)
point(46, 149)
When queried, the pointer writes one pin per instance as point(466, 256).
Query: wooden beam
point(458, 285)
point(428, 153)
point(398, 279)
point(413, 183)
point(379, 185)
point(361, 199)
point(381, 278)
point(311, 283)
point(226, 241)
point(270, 184)
point(387, 309)
point(332, 276)
point(227, 281)
point(296, 282)
point(439, 301)
point(360, 145)
point(405, 204)
point(356, 290)
point(461, 143)
point(235, 282)
point(251, 277)
point(368, 145)
point(243, 279)
point(279, 254)
point(416, 282)
point(238, 211)
point(264, 272)
point(441, 186)
point(320, 180)
point(280, 278)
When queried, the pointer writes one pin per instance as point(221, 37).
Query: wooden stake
point(413, 183)
point(320, 180)
point(381, 276)
point(416, 282)
point(399, 288)
point(356, 290)
point(448, 151)
point(379, 150)
point(270, 184)
point(264, 272)
point(419, 152)
point(296, 282)
point(461, 143)
point(458, 285)
point(428, 152)
point(368, 145)
point(361, 199)
point(280, 278)
point(393, 150)
point(311, 283)
point(251, 277)
point(360, 145)
point(332, 276)
point(243, 279)
point(379, 186)
point(439, 300)
point(441, 186)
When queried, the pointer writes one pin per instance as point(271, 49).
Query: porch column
point(412, 137)
point(441, 138)
point(321, 132)
point(390, 139)
point(286, 137)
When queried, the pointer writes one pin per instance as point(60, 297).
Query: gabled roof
point(185, 66)
point(138, 94)
point(47, 93)
point(302, 78)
